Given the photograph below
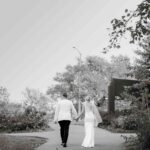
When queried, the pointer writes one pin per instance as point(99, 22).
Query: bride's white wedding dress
point(91, 115)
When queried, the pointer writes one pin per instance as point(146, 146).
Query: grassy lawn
point(8, 142)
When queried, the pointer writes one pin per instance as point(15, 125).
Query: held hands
point(77, 119)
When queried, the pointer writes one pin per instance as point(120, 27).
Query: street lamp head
point(77, 50)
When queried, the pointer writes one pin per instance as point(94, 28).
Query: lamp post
point(79, 61)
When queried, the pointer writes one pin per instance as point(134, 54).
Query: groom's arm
point(73, 110)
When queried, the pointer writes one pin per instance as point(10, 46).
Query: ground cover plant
point(8, 142)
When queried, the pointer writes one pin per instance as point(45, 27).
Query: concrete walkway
point(104, 140)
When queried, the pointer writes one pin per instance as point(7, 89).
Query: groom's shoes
point(65, 145)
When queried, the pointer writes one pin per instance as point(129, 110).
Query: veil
point(96, 114)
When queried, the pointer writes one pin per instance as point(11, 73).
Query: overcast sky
point(37, 36)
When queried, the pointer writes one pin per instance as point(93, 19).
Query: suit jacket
point(65, 110)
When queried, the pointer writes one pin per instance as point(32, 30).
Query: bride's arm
point(97, 114)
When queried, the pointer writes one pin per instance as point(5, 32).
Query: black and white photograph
point(75, 74)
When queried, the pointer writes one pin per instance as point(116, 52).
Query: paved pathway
point(104, 140)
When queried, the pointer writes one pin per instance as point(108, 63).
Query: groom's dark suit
point(63, 114)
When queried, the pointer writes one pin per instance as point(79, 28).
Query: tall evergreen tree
point(142, 66)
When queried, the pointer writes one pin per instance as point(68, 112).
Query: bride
point(92, 116)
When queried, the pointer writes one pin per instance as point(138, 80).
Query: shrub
point(124, 112)
point(140, 117)
point(143, 131)
point(30, 119)
point(130, 123)
point(117, 122)
point(105, 117)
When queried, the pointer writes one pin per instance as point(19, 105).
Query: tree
point(90, 78)
point(34, 98)
point(135, 22)
point(97, 75)
point(4, 99)
point(4, 95)
point(121, 66)
point(142, 67)
point(64, 82)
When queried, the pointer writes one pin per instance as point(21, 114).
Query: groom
point(64, 113)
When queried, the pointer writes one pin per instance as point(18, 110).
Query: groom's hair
point(65, 95)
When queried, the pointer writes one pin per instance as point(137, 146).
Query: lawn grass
point(9, 142)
